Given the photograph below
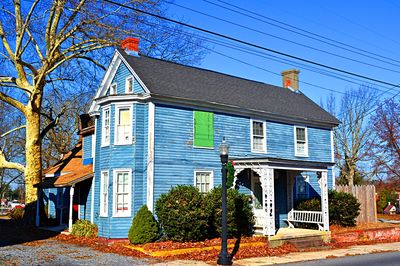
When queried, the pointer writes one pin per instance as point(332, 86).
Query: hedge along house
point(158, 124)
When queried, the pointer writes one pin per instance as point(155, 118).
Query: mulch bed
point(205, 251)
point(389, 216)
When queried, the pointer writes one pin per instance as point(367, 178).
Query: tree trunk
point(33, 170)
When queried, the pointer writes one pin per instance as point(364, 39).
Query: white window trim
point(102, 213)
point(113, 92)
point(126, 84)
point(204, 171)
point(295, 142)
point(264, 137)
point(114, 206)
point(103, 140)
point(116, 118)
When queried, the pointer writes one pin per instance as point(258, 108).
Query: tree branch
point(4, 164)
point(12, 130)
point(13, 102)
point(52, 124)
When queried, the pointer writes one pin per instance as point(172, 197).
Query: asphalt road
point(378, 259)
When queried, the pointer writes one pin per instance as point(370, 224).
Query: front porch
point(274, 185)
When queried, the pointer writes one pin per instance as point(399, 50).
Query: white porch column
point(267, 182)
point(71, 200)
point(324, 199)
point(37, 221)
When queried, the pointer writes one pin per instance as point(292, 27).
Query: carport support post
point(37, 221)
point(71, 199)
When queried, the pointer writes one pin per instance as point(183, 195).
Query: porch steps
point(300, 238)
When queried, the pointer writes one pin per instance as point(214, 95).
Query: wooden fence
point(365, 195)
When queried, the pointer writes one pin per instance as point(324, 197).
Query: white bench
point(305, 217)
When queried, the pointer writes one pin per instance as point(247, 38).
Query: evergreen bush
point(182, 214)
point(84, 228)
point(240, 218)
point(144, 228)
point(343, 207)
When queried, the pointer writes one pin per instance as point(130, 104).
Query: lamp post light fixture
point(224, 258)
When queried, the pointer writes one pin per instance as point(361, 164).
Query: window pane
point(258, 129)
point(301, 134)
point(124, 117)
point(130, 85)
point(301, 147)
point(258, 143)
point(203, 180)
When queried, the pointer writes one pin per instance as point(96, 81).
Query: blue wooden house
point(157, 124)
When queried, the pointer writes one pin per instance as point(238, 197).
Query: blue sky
point(369, 25)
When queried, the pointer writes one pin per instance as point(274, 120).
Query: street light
point(224, 258)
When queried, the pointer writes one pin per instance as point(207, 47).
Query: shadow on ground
point(13, 232)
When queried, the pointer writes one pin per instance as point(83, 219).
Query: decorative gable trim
point(108, 78)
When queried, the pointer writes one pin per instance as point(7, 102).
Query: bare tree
point(385, 151)
point(46, 43)
point(353, 136)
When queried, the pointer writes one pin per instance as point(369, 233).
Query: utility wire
point(238, 47)
point(328, 41)
point(286, 40)
point(253, 45)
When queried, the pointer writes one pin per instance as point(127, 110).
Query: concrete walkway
point(303, 256)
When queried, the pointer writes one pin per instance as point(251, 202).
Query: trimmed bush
point(84, 228)
point(144, 228)
point(343, 207)
point(240, 218)
point(17, 213)
point(182, 214)
point(312, 204)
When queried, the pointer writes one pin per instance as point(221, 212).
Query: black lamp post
point(224, 258)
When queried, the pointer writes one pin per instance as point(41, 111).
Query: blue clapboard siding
point(176, 158)
point(87, 150)
point(120, 78)
point(113, 157)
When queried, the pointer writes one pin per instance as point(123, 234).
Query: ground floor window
point(122, 192)
point(203, 180)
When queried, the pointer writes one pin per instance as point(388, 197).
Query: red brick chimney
point(131, 46)
point(290, 79)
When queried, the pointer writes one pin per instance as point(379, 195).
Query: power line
point(355, 50)
point(286, 40)
point(237, 47)
point(252, 45)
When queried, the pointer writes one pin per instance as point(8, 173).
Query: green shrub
point(343, 207)
point(312, 204)
point(144, 228)
point(17, 213)
point(182, 215)
point(385, 196)
point(240, 218)
point(84, 228)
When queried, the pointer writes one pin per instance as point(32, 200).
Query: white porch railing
point(305, 217)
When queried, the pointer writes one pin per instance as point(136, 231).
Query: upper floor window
point(105, 132)
point(104, 194)
point(113, 89)
point(122, 180)
point(123, 125)
point(300, 141)
point(203, 180)
point(203, 129)
point(258, 136)
point(129, 84)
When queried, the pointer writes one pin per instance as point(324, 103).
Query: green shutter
point(203, 129)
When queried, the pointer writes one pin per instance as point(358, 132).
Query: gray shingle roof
point(174, 80)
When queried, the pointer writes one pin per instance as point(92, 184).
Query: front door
point(257, 199)
point(280, 187)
